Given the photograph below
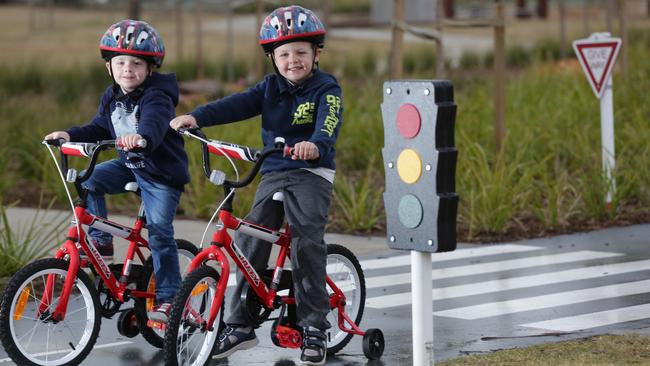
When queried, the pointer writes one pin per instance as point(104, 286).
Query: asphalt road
point(485, 298)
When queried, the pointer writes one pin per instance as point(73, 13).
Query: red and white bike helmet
point(290, 24)
point(135, 38)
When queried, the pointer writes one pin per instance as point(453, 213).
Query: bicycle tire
point(194, 298)
point(344, 269)
point(49, 343)
point(146, 282)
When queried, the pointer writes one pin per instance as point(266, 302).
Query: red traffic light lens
point(408, 121)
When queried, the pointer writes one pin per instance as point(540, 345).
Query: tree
point(134, 9)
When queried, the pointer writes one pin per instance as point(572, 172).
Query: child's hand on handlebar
point(305, 150)
point(129, 142)
point(184, 121)
point(57, 135)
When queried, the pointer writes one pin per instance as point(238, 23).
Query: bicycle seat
point(278, 196)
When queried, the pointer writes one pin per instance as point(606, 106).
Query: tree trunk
point(396, 52)
point(134, 9)
point(179, 29)
point(623, 32)
point(448, 6)
point(200, 65)
point(542, 9)
point(259, 61)
point(562, 11)
point(230, 44)
point(500, 79)
point(440, 54)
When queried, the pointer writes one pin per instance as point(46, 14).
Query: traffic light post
point(420, 199)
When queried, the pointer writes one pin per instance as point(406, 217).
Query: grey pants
point(306, 205)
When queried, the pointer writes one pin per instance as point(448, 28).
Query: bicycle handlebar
point(86, 149)
point(234, 151)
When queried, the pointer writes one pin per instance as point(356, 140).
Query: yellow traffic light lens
point(409, 166)
point(408, 121)
point(410, 211)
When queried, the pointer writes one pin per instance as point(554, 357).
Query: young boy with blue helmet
point(303, 105)
point(138, 106)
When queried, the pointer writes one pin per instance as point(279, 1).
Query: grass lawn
point(605, 350)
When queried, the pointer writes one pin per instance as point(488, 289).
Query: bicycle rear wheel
point(156, 337)
point(32, 337)
point(187, 339)
point(344, 269)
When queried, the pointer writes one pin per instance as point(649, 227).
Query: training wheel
point(373, 344)
point(127, 324)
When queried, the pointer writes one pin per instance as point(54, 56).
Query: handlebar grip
point(140, 144)
point(55, 142)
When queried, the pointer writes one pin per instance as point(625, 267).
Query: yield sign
point(597, 55)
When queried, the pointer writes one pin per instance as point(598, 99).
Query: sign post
point(597, 55)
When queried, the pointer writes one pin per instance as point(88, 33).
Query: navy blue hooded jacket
point(311, 111)
point(146, 111)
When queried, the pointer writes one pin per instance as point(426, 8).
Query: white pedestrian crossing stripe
point(546, 301)
point(491, 267)
point(479, 252)
point(594, 320)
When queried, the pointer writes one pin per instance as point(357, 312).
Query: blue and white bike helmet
point(134, 38)
point(290, 24)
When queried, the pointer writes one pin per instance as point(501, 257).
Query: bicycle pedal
point(288, 337)
point(156, 325)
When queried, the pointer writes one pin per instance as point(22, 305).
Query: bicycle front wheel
point(188, 342)
point(344, 269)
point(29, 334)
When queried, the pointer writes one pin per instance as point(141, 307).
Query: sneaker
point(233, 339)
point(314, 347)
point(160, 313)
point(104, 249)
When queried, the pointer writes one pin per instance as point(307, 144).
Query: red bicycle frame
point(77, 239)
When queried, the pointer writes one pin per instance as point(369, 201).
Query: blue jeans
point(160, 202)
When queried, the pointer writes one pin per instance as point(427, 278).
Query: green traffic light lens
point(410, 211)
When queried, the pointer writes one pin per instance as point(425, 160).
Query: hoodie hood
point(165, 82)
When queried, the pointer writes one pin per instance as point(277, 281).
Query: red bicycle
point(51, 309)
point(196, 317)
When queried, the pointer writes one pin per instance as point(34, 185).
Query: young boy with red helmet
point(303, 105)
point(138, 106)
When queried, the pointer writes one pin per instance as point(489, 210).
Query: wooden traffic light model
point(420, 165)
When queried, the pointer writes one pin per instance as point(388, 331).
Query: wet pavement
point(486, 298)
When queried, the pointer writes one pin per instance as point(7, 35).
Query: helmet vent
point(287, 17)
point(116, 34)
point(142, 37)
point(275, 23)
point(129, 34)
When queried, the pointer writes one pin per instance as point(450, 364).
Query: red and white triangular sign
point(597, 55)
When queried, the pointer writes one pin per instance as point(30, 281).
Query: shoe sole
point(240, 347)
point(313, 363)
